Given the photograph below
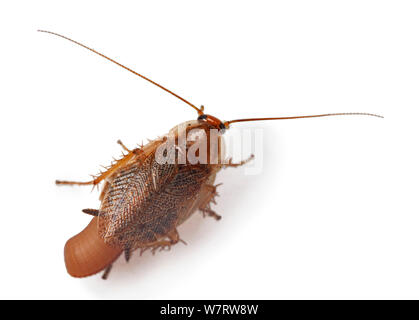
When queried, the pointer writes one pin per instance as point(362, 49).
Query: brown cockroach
point(143, 199)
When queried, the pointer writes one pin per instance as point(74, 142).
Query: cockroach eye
point(202, 117)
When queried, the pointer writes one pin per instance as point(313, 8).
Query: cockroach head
point(213, 121)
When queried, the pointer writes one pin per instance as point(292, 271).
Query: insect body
point(153, 189)
point(143, 201)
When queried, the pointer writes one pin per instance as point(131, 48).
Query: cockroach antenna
point(199, 110)
point(227, 123)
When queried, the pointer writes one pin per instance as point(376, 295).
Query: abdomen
point(86, 253)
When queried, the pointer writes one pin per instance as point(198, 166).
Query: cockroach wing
point(146, 200)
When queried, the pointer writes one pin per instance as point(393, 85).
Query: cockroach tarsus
point(143, 201)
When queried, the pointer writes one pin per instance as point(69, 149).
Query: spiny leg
point(136, 151)
point(164, 244)
point(175, 238)
point(92, 212)
point(127, 254)
point(210, 213)
point(209, 198)
point(110, 170)
point(205, 207)
point(235, 165)
point(106, 272)
point(213, 191)
point(74, 183)
point(123, 146)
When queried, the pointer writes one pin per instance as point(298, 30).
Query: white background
point(334, 213)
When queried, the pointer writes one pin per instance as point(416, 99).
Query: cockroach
point(144, 199)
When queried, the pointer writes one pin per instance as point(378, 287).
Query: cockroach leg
point(164, 244)
point(110, 170)
point(137, 151)
point(77, 183)
point(92, 212)
point(205, 207)
point(235, 165)
point(213, 192)
point(211, 213)
point(106, 272)
point(127, 254)
point(154, 246)
point(175, 238)
point(123, 146)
